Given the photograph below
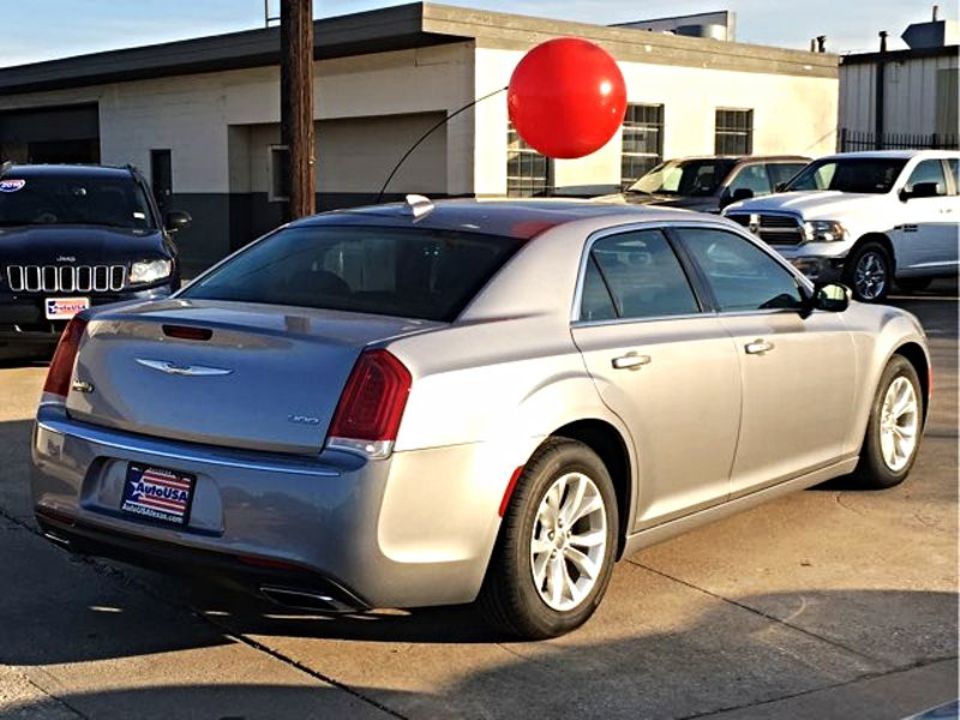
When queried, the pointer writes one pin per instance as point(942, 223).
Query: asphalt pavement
point(826, 603)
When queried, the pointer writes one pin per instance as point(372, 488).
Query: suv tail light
point(368, 414)
point(61, 367)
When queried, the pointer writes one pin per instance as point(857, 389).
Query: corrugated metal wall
point(919, 96)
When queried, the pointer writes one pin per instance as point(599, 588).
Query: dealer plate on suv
point(64, 308)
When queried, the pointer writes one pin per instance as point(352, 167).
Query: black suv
point(72, 236)
point(709, 184)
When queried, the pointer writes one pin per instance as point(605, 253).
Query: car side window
point(752, 177)
point(929, 171)
point(742, 276)
point(783, 172)
point(641, 275)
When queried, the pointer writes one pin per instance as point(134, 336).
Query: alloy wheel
point(569, 541)
point(870, 276)
point(899, 424)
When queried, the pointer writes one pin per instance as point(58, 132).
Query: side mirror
point(780, 187)
point(922, 190)
point(832, 297)
point(176, 220)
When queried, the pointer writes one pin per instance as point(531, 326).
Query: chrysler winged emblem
point(171, 368)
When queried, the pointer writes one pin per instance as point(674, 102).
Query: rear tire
point(564, 506)
point(869, 272)
point(893, 432)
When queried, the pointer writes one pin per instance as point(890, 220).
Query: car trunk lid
point(266, 378)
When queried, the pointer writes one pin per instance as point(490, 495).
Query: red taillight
point(61, 367)
point(372, 403)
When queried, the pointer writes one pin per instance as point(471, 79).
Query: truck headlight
point(147, 271)
point(823, 231)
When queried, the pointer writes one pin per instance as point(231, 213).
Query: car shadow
point(632, 661)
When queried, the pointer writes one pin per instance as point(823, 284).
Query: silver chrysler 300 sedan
point(412, 405)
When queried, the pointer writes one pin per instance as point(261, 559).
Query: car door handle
point(759, 347)
point(630, 361)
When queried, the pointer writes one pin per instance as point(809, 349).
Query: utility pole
point(296, 104)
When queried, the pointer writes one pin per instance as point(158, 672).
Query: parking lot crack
point(286, 659)
point(766, 616)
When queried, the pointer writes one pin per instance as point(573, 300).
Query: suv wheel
point(893, 432)
point(868, 272)
point(556, 548)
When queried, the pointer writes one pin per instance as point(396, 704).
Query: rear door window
point(423, 274)
point(635, 275)
point(929, 171)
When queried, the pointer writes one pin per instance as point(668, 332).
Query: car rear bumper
point(333, 525)
point(23, 321)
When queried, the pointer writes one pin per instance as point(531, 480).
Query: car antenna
point(428, 133)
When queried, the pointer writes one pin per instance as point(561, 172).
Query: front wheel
point(893, 432)
point(555, 553)
point(869, 272)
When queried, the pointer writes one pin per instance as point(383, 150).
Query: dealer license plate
point(157, 493)
point(64, 308)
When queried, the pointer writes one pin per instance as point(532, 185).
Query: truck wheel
point(555, 553)
point(869, 272)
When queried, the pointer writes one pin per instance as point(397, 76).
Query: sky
point(34, 30)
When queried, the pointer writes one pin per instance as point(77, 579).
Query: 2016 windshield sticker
point(12, 185)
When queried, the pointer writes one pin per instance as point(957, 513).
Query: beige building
point(201, 117)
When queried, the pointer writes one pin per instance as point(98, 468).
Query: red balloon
point(567, 98)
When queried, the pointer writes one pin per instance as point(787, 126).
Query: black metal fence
point(861, 140)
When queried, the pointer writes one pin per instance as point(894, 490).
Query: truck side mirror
point(922, 190)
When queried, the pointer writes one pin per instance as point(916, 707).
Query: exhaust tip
point(58, 540)
point(305, 599)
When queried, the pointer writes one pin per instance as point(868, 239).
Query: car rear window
point(73, 200)
point(420, 273)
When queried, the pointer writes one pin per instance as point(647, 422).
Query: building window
point(734, 132)
point(642, 141)
point(528, 172)
point(278, 160)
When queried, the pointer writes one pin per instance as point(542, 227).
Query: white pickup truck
point(868, 219)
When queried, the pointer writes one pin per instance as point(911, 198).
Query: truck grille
point(66, 278)
point(772, 229)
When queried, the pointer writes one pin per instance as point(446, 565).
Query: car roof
point(519, 219)
point(743, 158)
point(65, 170)
point(893, 154)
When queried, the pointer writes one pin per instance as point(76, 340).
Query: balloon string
point(428, 133)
